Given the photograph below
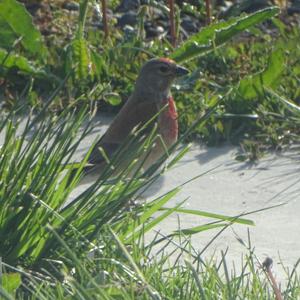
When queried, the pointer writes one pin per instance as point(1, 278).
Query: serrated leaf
point(81, 58)
point(216, 35)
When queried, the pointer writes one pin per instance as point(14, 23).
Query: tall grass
point(95, 247)
point(42, 233)
point(116, 271)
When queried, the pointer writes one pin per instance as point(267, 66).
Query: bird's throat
point(172, 108)
point(170, 111)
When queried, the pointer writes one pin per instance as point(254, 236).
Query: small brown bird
point(151, 94)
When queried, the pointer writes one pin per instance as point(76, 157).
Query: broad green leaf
point(21, 63)
point(16, 22)
point(113, 98)
point(7, 36)
point(10, 282)
point(217, 34)
point(252, 85)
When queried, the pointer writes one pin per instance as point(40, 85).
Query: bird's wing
point(131, 115)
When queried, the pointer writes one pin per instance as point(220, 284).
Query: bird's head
point(157, 75)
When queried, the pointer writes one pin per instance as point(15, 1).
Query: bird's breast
point(168, 122)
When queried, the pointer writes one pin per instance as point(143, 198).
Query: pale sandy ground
point(235, 188)
point(232, 189)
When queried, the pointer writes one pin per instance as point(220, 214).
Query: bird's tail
point(75, 173)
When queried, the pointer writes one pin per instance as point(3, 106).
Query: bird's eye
point(164, 69)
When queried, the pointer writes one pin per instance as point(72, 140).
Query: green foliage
point(10, 282)
point(249, 115)
point(253, 85)
point(31, 170)
point(82, 61)
point(12, 61)
point(79, 59)
point(115, 271)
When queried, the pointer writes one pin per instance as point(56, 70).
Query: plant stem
point(172, 23)
point(82, 18)
point(267, 267)
point(208, 15)
point(105, 23)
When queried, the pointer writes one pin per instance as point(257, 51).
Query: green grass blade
point(214, 216)
point(151, 209)
point(197, 229)
point(152, 292)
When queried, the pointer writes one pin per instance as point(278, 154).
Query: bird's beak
point(181, 71)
